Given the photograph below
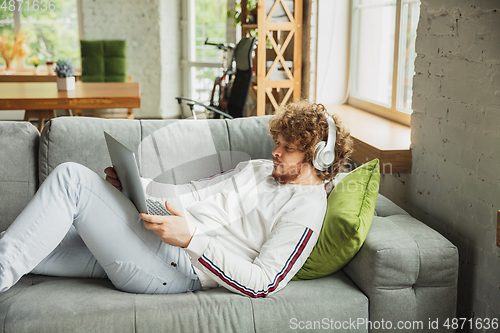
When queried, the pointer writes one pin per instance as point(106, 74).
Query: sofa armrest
point(408, 271)
point(18, 168)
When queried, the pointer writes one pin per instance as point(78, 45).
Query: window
point(205, 19)
point(382, 56)
point(50, 27)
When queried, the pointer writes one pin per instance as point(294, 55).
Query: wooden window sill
point(377, 137)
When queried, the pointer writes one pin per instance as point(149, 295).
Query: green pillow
point(349, 215)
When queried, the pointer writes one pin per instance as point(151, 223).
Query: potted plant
point(65, 75)
point(10, 49)
point(35, 62)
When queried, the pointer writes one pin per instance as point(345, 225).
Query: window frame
point(188, 29)
point(391, 112)
point(17, 23)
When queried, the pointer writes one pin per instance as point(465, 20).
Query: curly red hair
point(305, 124)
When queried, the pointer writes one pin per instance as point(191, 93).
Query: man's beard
point(290, 176)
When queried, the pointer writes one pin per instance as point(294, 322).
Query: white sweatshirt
point(252, 233)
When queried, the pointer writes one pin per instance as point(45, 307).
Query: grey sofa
point(405, 272)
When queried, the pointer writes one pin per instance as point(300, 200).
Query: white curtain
point(333, 53)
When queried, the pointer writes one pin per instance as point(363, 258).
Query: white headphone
point(325, 151)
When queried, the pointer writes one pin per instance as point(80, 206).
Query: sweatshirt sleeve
point(282, 255)
point(193, 191)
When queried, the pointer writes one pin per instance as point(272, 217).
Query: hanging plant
point(236, 13)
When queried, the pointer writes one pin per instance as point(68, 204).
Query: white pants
point(79, 225)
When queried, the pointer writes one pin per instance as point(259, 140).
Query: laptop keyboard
point(156, 208)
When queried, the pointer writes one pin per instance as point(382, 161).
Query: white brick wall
point(151, 29)
point(455, 181)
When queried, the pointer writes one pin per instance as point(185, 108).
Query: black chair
point(235, 92)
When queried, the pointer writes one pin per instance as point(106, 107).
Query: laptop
point(123, 160)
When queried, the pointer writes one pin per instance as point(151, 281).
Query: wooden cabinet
point(279, 56)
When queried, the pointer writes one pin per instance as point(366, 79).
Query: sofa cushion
point(40, 303)
point(348, 217)
point(318, 305)
point(164, 155)
point(81, 140)
point(160, 146)
point(251, 136)
point(18, 164)
point(47, 304)
point(214, 146)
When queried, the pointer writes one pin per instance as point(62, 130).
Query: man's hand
point(174, 230)
point(112, 177)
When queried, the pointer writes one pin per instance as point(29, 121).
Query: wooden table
point(40, 99)
point(28, 75)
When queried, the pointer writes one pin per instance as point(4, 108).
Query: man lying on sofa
point(248, 229)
